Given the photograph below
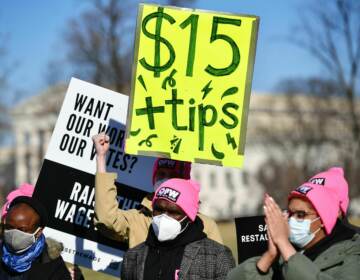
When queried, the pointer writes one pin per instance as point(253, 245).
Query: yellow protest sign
point(191, 84)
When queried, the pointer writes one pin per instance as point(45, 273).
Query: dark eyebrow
point(298, 210)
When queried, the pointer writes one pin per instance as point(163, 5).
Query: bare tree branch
point(98, 42)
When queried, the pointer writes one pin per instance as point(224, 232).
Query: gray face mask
point(18, 241)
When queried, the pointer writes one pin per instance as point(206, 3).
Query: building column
point(48, 134)
point(34, 155)
point(20, 151)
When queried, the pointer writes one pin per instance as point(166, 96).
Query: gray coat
point(341, 262)
point(202, 259)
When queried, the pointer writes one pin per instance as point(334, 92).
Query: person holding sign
point(132, 225)
point(310, 242)
point(176, 246)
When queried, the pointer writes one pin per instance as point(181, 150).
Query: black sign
point(251, 233)
point(69, 195)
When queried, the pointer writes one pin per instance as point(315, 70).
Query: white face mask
point(18, 241)
point(300, 233)
point(166, 228)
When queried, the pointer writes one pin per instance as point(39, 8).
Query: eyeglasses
point(299, 215)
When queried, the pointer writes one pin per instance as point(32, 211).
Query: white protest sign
point(66, 180)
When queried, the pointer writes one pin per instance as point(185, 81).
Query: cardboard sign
point(191, 84)
point(251, 234)
point(66, 181)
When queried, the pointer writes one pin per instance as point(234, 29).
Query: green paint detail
point(173, 141)
point(142, 82)
point(149, 110)
point(174, 102)
point(217, 154)
point(206, 89)
point(170, 80)
point(193, 21)
point(135, 133)
point(230, 91)
point(192, 118)
point(177, 147)
point(157, 68)
point(233, 117)
point(147, 141)
point(235, 49)
point(203, 122)
point(231, 140)
point(175, 144)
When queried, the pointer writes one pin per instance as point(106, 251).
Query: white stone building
point(226, 192)
point(33, 122)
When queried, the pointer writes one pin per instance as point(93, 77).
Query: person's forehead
point(167, 205)
point(297, 203)
point(22, 210)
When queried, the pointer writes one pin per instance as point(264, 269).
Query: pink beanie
point(334, 179)
point(182, 168)
point(183, 193)
point(323, 199)
point(23, 190)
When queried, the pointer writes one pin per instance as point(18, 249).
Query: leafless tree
point(6, 169)
point(323, 112)
point(307, 127)
point(333, 38)
point(100, 42)
point(4, 70)
point(95, 44)
point(331, 34)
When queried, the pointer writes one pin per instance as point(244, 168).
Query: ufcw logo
point(303, 189)
point(166, 163)
point(318, 181)
point(168, 193)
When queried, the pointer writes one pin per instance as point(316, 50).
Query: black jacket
point(42, 268)
point(202, 260)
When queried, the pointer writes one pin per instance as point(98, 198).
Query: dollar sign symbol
point(157, 68)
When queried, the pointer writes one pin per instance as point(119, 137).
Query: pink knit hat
point(23, 190)
point(334, 179)
point(183, 193)
point(182, 168)
point(323, 199)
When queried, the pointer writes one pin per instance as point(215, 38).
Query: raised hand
point(272, 249)
point(277, 225)
point(278, 228)
point(102, 143)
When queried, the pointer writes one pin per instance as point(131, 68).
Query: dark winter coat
point(49, 265)
point(339, 261)
point(202, 259)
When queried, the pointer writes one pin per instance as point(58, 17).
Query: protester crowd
point(169, 239)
